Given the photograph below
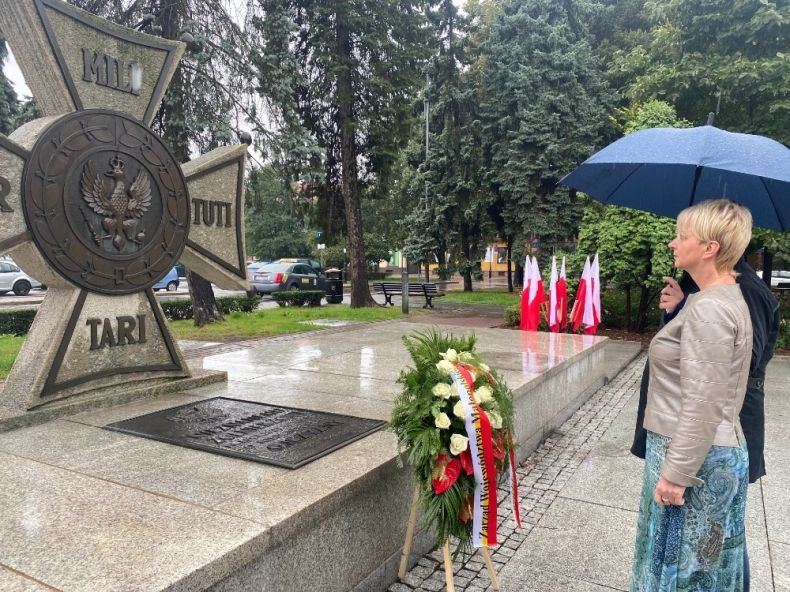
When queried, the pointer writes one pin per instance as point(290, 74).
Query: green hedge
point(299, 297)
point(16, 321)
point(179, 310)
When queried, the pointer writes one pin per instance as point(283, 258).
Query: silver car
point(276, 277)
point(14, 279)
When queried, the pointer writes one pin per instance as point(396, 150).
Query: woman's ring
point(664, 500)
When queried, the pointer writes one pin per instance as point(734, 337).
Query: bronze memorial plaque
point(271, 434)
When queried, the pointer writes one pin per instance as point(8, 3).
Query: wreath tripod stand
point(448, 562)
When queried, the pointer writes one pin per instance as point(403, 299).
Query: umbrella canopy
point(665, 170)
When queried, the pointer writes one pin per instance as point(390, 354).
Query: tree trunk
point(466, 251)
point(204, 304)
point(427, 273)
point(360, 292)
point(628, 325)
point(509, 271)
point(641, 313)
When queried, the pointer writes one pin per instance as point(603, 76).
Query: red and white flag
point(583, 299)
point(532, 296)
point(595, 273)
point(562, 296)
point(558, 298)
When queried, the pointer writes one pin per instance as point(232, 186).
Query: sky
point(12, 72)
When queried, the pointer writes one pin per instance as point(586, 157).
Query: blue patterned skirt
point(697, 547)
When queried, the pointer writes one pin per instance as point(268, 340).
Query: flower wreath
point(454, 419)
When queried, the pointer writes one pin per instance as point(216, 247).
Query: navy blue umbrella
point(664, 170)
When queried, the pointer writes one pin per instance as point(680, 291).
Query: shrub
point(179, 310)
point(16, 321)
point(513, 315)
point(298, 297)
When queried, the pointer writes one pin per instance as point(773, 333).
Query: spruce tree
point(9, 104)
point(544, 110)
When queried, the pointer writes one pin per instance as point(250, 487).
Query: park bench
point(782, 289)
point(390, 289)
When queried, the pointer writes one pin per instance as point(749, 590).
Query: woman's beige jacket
point(699, 366)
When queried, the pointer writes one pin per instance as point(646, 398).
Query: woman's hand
point(671, 295)
point(668, 493)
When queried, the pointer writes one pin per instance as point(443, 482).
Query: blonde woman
point(690, 531)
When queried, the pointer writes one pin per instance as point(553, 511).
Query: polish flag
point(579, 313)
point(558, 298)
point(562, 297)
point(532, 296)
point(525, 294)
point(595, 274)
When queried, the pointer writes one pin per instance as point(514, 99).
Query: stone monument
point(93, 204)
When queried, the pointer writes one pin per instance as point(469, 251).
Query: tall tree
point(543, 111)
point(447, 217)
point(210, 91)
point(352, 67)
point(727, 56)
point(9, 104)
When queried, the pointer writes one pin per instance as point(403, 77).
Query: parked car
point(254, 266)
point(276, 277)
point(169, 282)
point(777, 277)
point(13, 278)
point(311, 262)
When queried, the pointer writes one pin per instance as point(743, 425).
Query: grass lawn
point(9, 348)
point(278, 321)
point(497, 296)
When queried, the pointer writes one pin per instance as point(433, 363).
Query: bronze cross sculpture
point(94, 205)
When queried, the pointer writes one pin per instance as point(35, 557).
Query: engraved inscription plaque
point(271, 434)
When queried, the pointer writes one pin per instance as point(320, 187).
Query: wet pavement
point(579, 494)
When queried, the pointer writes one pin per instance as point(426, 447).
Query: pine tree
point(544, 110)
point(9, 104)
point(450, 211)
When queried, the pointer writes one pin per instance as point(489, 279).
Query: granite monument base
point(91, 509)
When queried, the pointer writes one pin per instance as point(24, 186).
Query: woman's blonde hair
point(723, 221)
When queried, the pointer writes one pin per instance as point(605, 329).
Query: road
point(32, 300)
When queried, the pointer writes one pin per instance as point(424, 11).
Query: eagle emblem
point(121, 208)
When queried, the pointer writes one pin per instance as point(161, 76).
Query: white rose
point(445, 367)
point(466, 356)
point(442, 421)
point(484, 394)
point(450, 355)
point(441, 390)
point(454, 391)
point(458, 444)
point(495, 419)
point(485, 367)
point(460, 410)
